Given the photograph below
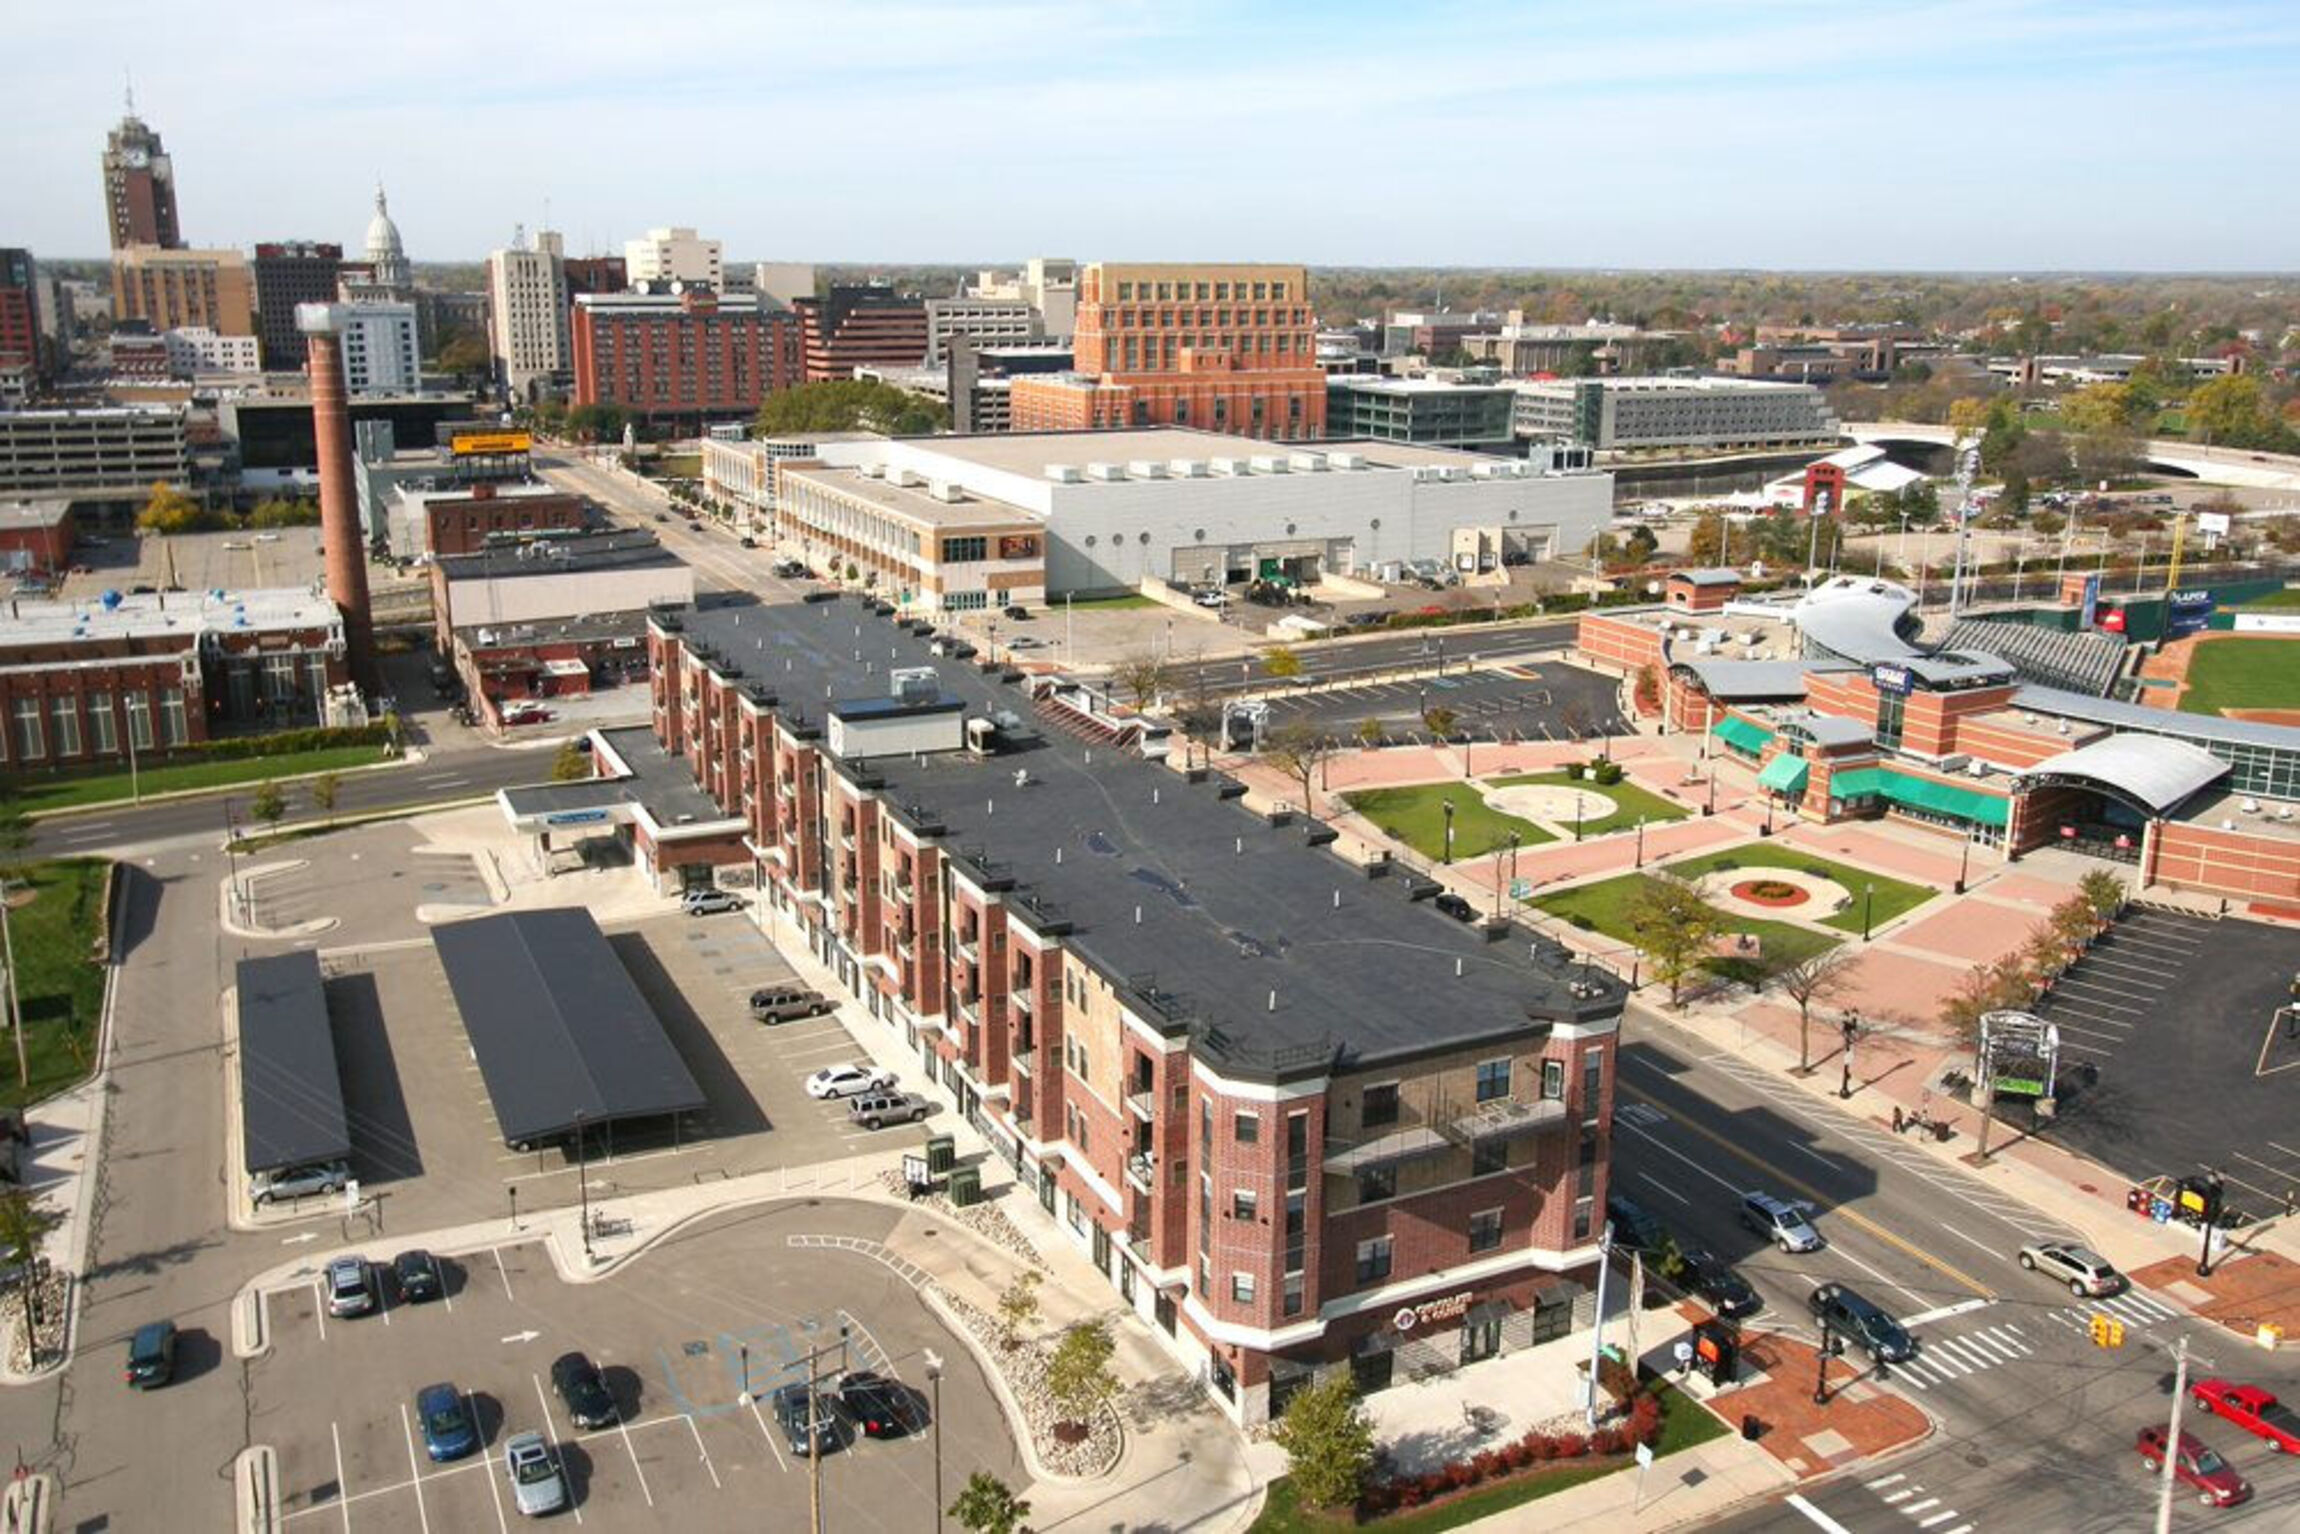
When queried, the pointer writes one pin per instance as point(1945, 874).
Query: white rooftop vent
point(1309, 463)
point(1063, 473)
point(1187, 468)
point(906, 478)
point(1105, 471)
point(1227, 466)
point(1269, 463)
point(944, 490)
point(1145, 468)
point(1486, 470)
point(1345, 460)
point(871, 470)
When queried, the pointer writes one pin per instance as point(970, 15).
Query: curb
point(412, 756)
point(28, 1504)
point(256, 1489)
point(931, 1294)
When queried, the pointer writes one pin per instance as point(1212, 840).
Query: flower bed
point(1771, 892)
point(1534, 1449)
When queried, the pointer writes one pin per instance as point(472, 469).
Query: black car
point(747, 541)
point(152, 1355)
point(1018, 614)
point(877, 1406)
point(576, 1378)
point(790, 1402)
point(1728, 1293)
point(1850, 1315)
point(1456, 906)
point(419, 1277)
point(1632, 1226)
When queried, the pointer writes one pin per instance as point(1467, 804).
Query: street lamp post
point(583, 1186)
point(1449, 830)
point(1641, 841)
point(1852, 1029)
point(1868, 907)
point(934, 1384)
point(1577, 814)
point(1821, 1364)
point(1964, 861)
point(743, 1349)
point(1513, 837)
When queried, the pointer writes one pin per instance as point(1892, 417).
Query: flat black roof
point(892, 707)
point(560, 1030)
point(1203, 907)
point(291, 1097)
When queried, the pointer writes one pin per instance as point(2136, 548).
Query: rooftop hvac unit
point(1345, 461)
point(871, 470)
point(944, 490)
point(1485, 470)
point(1187, 468)
point(1145, 468)
point(913, 684)
point(906, 478)
point(1105, 471)
point(1268, 463)
point(1227, 466)
point(1976, 769)
point(1063, 473)
point(1309, 463)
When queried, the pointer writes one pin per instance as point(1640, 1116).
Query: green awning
point(1856, 782)
point(1743, 735)
point(1785, 774)
point(1945, 799)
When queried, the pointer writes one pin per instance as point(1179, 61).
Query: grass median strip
point(37, 795)
point(58, 984)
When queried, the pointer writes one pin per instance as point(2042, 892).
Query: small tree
point(1298, 748)
point(572, 764)
point(269, 803)
point(1674, 926)
point(1078, 1375)
point(1371, 732)
point(987, 1505)
point(2074, 922)
point(2104, 892)
point(1329, 1443)
point(1815, 977)
point(1282, 664)
point(1017, 1306)
point(324, 790)
point(1648, 689)
point(1441, 721)
point(24, 1228)
point(169, 510)
point(1143, 674)
point(2045, 953)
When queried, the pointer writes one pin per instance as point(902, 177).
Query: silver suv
point(299, 1181)
point(1779, 1222)
point(2085, 1272)
point(873, 1109)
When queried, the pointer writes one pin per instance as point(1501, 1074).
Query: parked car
point(2251, 1408)
point(1455, 906)
point(448, 1430)
point(1214, 599)
point(1028, 642)
point(1725, 1291)
point(1018, 614)
point(834, 1081)
point(747, 541)
point(419, 1276)
point(709, 902)
point(299, 1181)
point(1780, 1222)
point(525, 711)
point(790, 1402)
point(2085, 1272)
point(877, 1406)
point(350, 1287)
point(537, 1487)
point(2196, 1465)
point(874, 1110)
point(152, 1355)
point(1632, 1225)
point(1365, 620)
point(1851, 1315)
point(789, 1003)
point(588, 1401)
point(953, 646)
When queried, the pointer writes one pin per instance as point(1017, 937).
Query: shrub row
point(287, 742)
point(1520, 1454)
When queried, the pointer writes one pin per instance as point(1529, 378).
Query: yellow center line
point(1813, 1194)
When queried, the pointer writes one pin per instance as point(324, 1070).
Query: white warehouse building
point(1189, 508)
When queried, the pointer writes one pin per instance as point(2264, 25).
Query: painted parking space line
point(702, 1452)
point(414, 1469)
point(503, 1273)
point(342, 1489)
point(628, 1448)
point(552, 1448)
point(768, 1433)
point(494, 1488)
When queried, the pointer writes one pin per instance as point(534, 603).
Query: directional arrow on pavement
point(309, 1235)
point(523, 1336)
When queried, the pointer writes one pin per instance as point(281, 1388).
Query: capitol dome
point(384, 251)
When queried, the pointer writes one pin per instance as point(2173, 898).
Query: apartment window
point(1243, 1203)
point(1488, 1156)
point(102, 725)
point(1374, 1260)
point(1592, 1081)
point(1247, 1128)
point(1380, 1106)
point(1206, 1126)
point(1242, 1288)
point(1552, 1080)
point(1584, 1210)
point(1290, 1301)
point(31, 743)
point(1074, 1212)
point(1485, 1230)
point(1376, 1183)
point(1492, 1080)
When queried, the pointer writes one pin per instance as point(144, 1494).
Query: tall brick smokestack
point(322, 326)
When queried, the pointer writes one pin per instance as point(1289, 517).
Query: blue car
point(448, 1431)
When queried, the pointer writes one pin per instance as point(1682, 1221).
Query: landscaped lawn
point(103, 788)
point(2243, 672)
point(1894, 897)
point(1116, 602)
point(1416, 816)
point(58, 984)
point(1604, 907)
point(2286, 597)
point(1635, 803)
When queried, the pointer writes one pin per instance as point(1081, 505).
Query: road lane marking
point(1664, 1187)
point(1815, 1516)
point(1880, 1275)
point(770, 1436)
point(1940, 1517)
point(414, 1470)
point(1880, 1485)
point(1968, 1240)
point(1816, 1155)
point(1915, 1508)
point(1946, 1311)
point(1806, 1190)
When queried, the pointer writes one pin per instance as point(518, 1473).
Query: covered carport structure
point(291, 1093)
point(2105, 797)
point(565, 1041)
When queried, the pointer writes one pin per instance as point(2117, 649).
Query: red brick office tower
point(322, 326)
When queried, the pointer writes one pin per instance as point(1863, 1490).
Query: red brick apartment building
point(1301, 1122)
point(87, 683)
point(1222, 348)
point(861, 325)
point(470, 520)
point(683, 359)
point(2002, 737)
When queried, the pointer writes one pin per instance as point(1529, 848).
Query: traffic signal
point(2107, 1332)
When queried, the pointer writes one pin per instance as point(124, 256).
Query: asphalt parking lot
point(675, 1336)
point(1525, 700)
point(2172, 1013)
point(426, 1144)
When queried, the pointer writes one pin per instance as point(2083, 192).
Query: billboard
point(1894, 679)
point(2090, 607)
point(2186, 612)
point(474, 444)
point(1018, 546)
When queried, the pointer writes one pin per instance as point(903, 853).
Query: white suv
point(2085, 1272)
point(1780, 1222)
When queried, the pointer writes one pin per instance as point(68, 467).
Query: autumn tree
point(987, 1505)
point(572, 764)
point(1078, 1376)
point(1812, 978)
point(1299, 748)
point(169, 510)
point(1440, 721)
point(1329, 1441)
point(1143, 673)
point(1282, 663)
point(1674, 926)
point(269, 804)
point(325, 789)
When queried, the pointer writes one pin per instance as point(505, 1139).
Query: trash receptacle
point(941, 1154)
point(966, 1186)
point(1751, 1427)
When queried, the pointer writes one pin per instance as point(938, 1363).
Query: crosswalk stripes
point(2134, 1308)
point(1909, 1499)
point(1643, 1115)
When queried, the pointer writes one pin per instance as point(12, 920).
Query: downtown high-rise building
point(528, 316)
point(288, 273)
point(139, 186)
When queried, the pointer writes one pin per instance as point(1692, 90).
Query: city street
point(2034, 1423)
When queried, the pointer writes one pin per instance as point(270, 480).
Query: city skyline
point(1964, 135)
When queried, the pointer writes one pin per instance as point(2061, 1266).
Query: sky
point(1960, 135)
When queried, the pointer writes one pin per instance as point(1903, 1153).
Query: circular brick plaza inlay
point(1778, 893)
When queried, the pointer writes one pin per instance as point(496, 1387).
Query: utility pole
point(1597, 1331)
point(2165, 1477)
point(814, 1428)
point(934, 1383)
point(583, 1185)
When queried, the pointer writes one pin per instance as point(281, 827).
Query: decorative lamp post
point(1449, 830)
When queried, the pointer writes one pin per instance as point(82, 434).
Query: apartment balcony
point(1021, 1001)
point(1023, 1060)
point(968, 949)
point(900, 890)
point(1143, 1104)
point(971, 1012)
point(1142, 1171)
point(847, 838)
